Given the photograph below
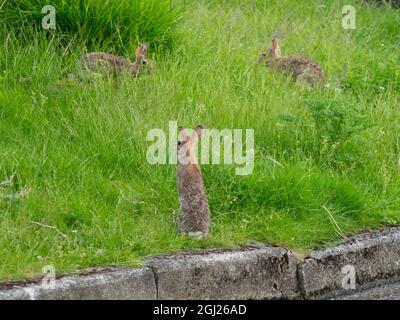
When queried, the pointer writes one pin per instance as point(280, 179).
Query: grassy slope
point(81, 150)
point(113, 25)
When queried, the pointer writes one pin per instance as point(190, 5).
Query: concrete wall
point(258, 272)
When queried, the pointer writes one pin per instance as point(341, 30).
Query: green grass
point(78, 153)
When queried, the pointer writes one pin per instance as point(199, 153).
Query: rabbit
point(100, 61)
point(194, 211)
point(302, 69)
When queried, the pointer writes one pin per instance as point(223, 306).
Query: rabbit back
point(301, 68)
point(194, 211)
point(105, 61)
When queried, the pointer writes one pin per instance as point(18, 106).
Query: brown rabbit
point(194, 215)
point(100, 61)
point(303, 69)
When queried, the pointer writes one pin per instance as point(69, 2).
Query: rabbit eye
point(144, 62)
point(179, 143)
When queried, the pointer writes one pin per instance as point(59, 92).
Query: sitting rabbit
point(302, 69)
point(194, 212)
point(100, 61)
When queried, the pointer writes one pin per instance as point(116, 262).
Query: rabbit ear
point(199, 129)
point(196, 134)
point(183, 134)
point(276, 51)
point(141, 51)
point(275, 44)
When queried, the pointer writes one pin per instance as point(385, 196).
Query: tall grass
point(113, 24)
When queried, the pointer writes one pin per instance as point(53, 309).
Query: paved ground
point(383, 291)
